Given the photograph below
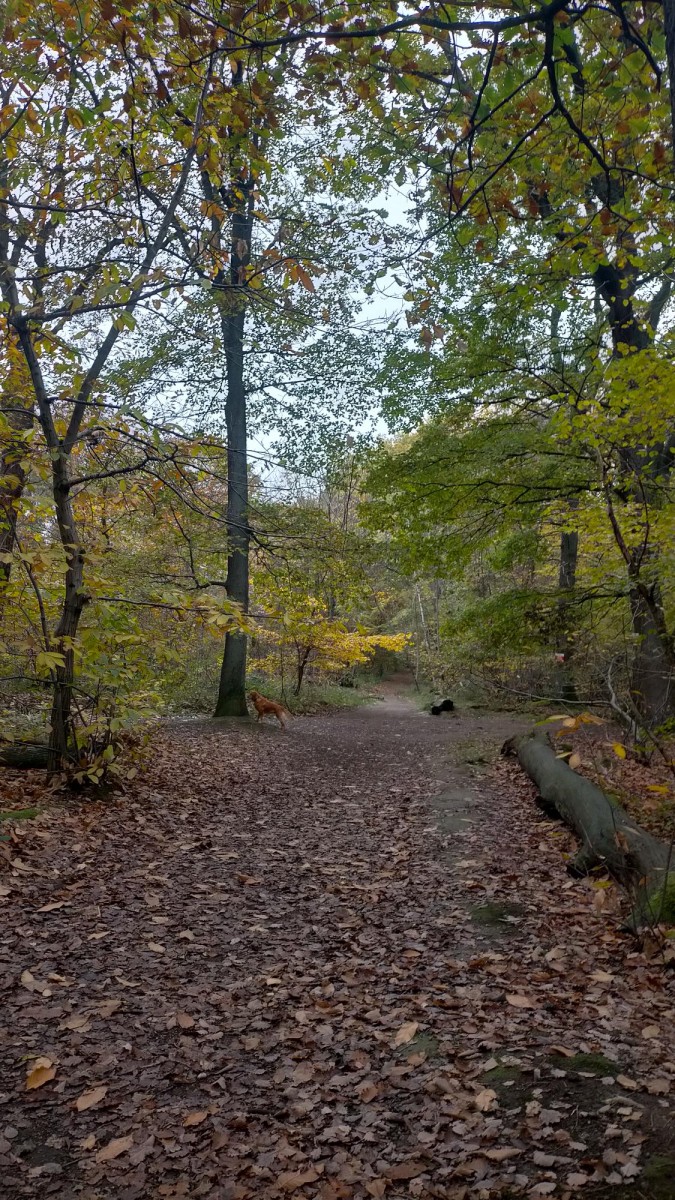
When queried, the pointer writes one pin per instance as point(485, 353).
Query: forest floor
point(344, 961)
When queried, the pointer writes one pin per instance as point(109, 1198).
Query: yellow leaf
point(574, 761)
point(40, 1073)
point(406, 1033)
point(619, 750)
point(89, 1099)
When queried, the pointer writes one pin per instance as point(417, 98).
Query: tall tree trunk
point(567, 577)
point(653, 673)
point(653, 666)
point(231, 700)
point(62, 740)
point(303, 659)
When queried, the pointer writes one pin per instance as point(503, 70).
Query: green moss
point(424, 1043)
point(595, 1064)
point(501, 1074)
point(495, 915)
point(661, 902)
point(660, 1171)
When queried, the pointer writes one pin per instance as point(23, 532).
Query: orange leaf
point(114, 1148)
point(40, 1073)
point(89, 1099)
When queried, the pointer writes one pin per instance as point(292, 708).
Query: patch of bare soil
point(344, 961)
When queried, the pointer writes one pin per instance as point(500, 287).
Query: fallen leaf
point(574, 761)
point(184, 1020)
point(41, 1072)
point(485, 1100)
point(367, 1091)
point(658, 1086)
point(303, 1073)
point(290, 1181)
point(53, 905)
point(194, 1118)
point(89, 1099)
point(405, 1170)
point(156, 948)
point(376, 1188)
point(543, 1160)
point(625, 1082)
point(406, 1033)
point(651, 1031)
point(519, 1001)
point(501, 1154)
point(79, 1023)
point(107, 1007)
point(576, 1179)
point(114, 1148)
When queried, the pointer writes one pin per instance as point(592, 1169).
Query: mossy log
point(23, 757)
point(609, 837)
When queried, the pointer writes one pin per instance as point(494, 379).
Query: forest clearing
point(337, 599)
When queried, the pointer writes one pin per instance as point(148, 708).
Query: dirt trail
point(335, 962)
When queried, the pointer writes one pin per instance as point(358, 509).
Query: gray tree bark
point(609, 836)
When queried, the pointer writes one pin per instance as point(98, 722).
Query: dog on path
point(265, 707)
point(441, 707)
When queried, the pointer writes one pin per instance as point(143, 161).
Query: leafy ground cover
point(337, 962)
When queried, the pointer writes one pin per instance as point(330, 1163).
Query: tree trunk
point(653, 673)
point(567, 577)
point(609, 837)
point(24, 757)
point(669, 23)
point(12, 480)
point(62, 739)
point(232, 688)
point(653, 663)
point(303, 659)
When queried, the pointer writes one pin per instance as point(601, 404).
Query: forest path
point(328, 963)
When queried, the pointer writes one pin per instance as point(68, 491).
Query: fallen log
point(24, 756)
point(609, 837)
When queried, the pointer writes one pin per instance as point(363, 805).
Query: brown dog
point(263, 707)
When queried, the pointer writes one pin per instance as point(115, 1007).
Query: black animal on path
point(444, 706)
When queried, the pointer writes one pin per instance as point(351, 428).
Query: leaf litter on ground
point(339, 1024)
